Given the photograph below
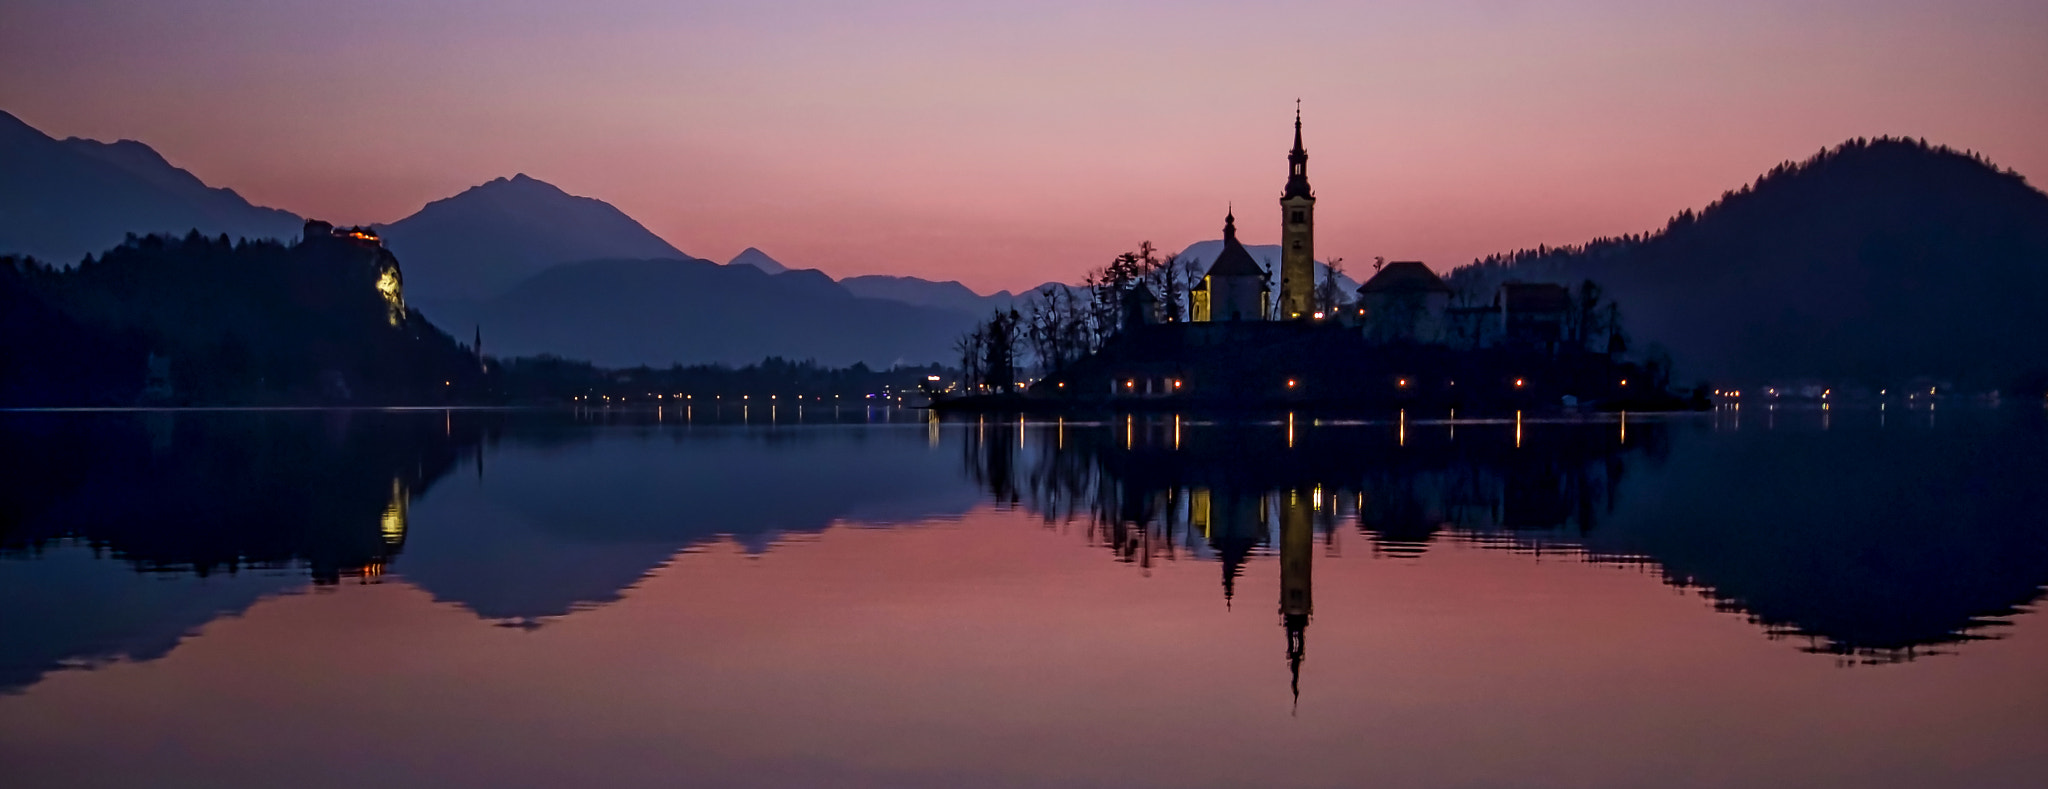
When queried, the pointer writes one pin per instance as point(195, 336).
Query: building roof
point(1536, 297)
point(1234, 261)
point(1404, 276)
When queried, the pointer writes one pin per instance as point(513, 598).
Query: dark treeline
point(1063, 325)
point(204, 320)
point(208, 321)
point(553, 379)
point(1876, 261)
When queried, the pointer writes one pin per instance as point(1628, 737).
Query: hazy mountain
point(949, 295)
point(658, 312)
point(480, 243)
point(61, 200)
point(1874, 261)
point(758, 259)
point(556, 527)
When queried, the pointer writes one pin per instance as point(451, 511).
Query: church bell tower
point(1297, 234)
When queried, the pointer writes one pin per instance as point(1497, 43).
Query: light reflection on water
point(871, 597)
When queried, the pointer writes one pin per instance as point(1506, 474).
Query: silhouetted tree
point(1329, 293)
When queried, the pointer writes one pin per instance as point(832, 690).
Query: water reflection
point(218, 493)
point(1838, 531)
point(570, 511)
point(1865, 543)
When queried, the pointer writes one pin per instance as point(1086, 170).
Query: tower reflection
point(1799, 531)
point(1297, 539)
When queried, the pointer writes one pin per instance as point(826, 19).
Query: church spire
point(1230, 225)
point(1297, 162)
point(1297, 130)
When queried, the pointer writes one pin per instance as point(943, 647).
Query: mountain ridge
point(61, 200)
point(662, 311)
point(1875, 261)
point(486, 239)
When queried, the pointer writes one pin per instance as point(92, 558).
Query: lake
point(1840, 596)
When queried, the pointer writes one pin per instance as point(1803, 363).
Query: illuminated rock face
point(389, 278)
point(391, 285)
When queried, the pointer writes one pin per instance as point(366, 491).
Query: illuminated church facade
point(1237, 288)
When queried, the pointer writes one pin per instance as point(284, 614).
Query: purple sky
point(1009, 144)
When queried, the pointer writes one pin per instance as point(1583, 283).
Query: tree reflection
point(220, 493)
point(1873, 547)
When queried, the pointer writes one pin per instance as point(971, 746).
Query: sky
point(1009, 144)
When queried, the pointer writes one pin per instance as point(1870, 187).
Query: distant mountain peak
point(481, 242)
point(752, 256)
point(519, 184)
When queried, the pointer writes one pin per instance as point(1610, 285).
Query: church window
point(1297, 244)
point(1298, 216)
point(1297, 169)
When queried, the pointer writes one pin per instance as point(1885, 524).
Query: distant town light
point(1319, 314)
point(1624, 382)
point(1518, 383)
point(1290, 383)
point(1403, 383)
point(1130, 384)
point(1176, 383)
point(931, 378)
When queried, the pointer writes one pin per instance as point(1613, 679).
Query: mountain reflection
point(517, 517)
point(1870, 540)
point(1872, 544)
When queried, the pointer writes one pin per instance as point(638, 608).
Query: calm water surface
point(348, 599)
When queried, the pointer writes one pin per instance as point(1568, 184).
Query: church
point(1404, 302)
point(1237, 288)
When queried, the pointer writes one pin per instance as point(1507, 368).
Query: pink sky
point(1005, 145)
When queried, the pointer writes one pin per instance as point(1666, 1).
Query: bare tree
point(971, 346)
point(1617, 340)
point(1329, 293)
point(1057, 330)
point(1583, 324)
point(1000, 336)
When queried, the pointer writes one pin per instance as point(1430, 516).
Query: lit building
point(390, 281)
point(1297, 234)
point(1236, 287)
